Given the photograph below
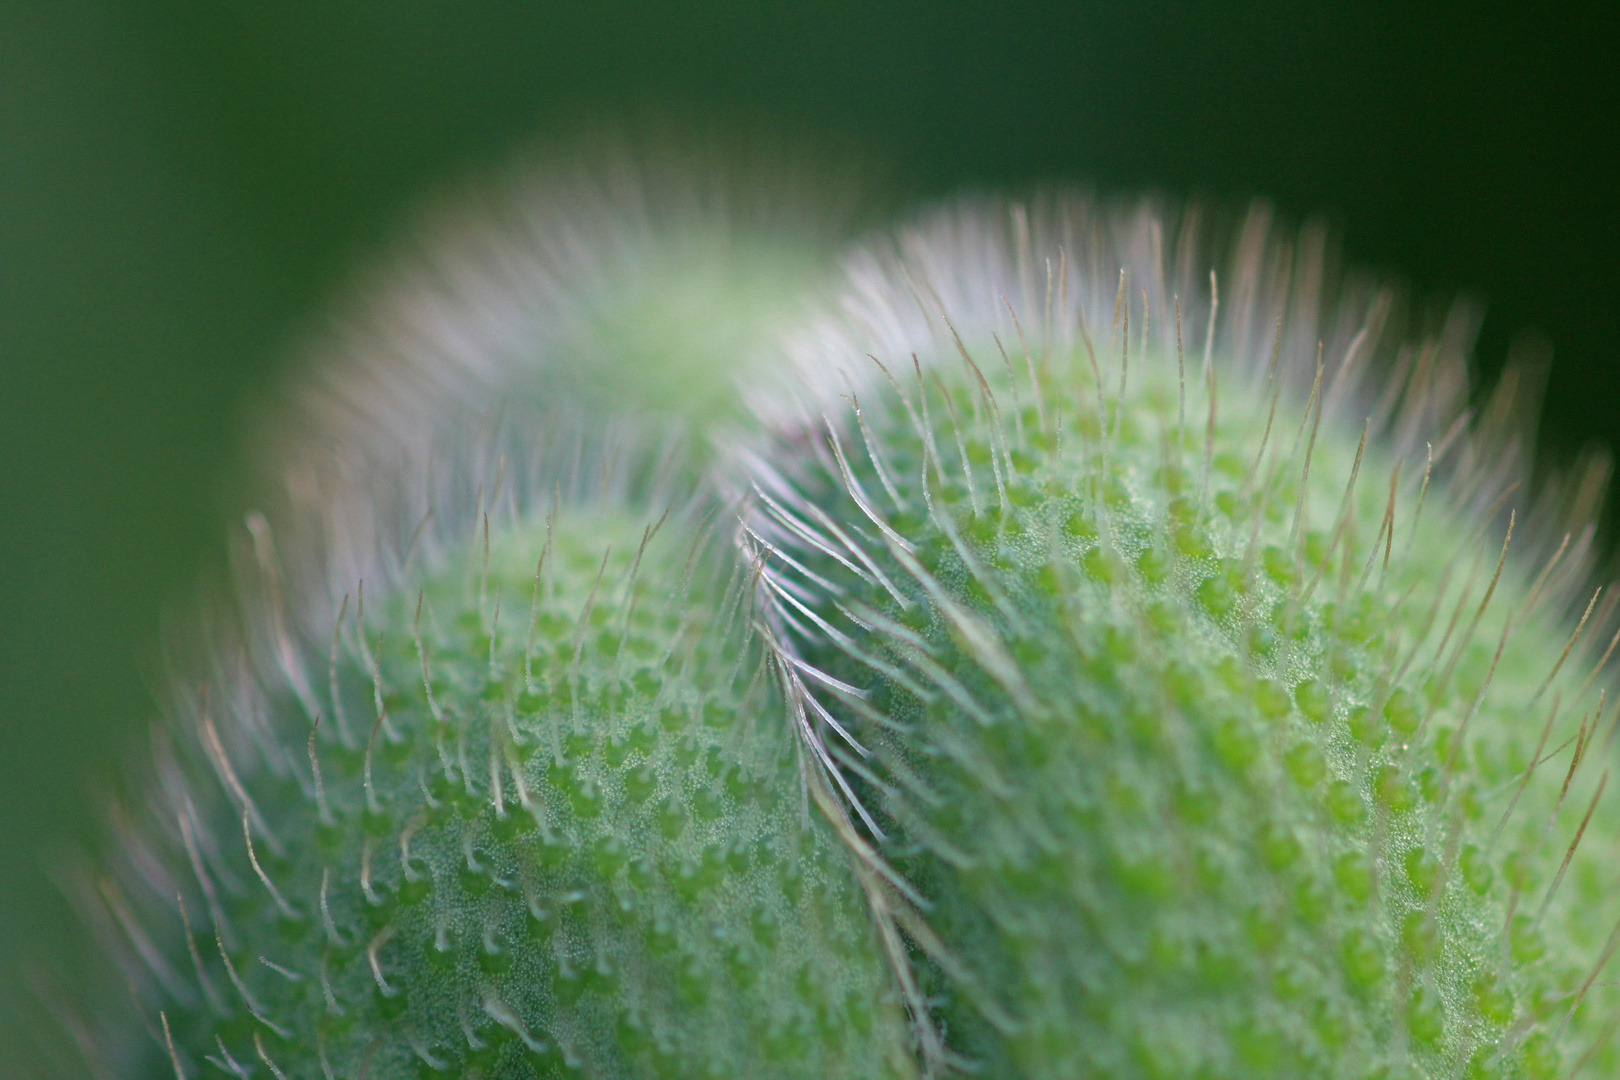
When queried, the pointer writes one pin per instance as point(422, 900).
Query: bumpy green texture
point(1191, 759)
point(553, 826)
point(1023, 713)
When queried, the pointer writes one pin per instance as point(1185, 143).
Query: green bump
point(1525, 940)
point(1345, 804)
point(1237, 746)
point(1099, 565)
point(1476, 868)
point(1393, 789)
point(1419, 934)
point(1425, 1018)
point(1401, 711)
point(1422, 870)
point(1306, 764)
point(1271, 699)
point(1493, 1000)
point(1366, 727)
point(1216, 596)
point(1279, 565)
point(1314, 699)
point(1153, 565)
point(1311, 901)
point(1540, 1057)
point(1363, 959)
point(1353, 872)
point(1077, 526)
point(1279, 847)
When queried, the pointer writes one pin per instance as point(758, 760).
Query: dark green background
point(182, 184)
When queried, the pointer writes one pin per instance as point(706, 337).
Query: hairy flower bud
point(1131, 662)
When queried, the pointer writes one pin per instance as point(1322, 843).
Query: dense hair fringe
point(1054, 270)
point(486, 318)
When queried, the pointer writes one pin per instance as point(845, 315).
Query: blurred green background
point(183, 184)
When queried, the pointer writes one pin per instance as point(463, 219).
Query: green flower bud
point(1105, 680)
point(1112, 760)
